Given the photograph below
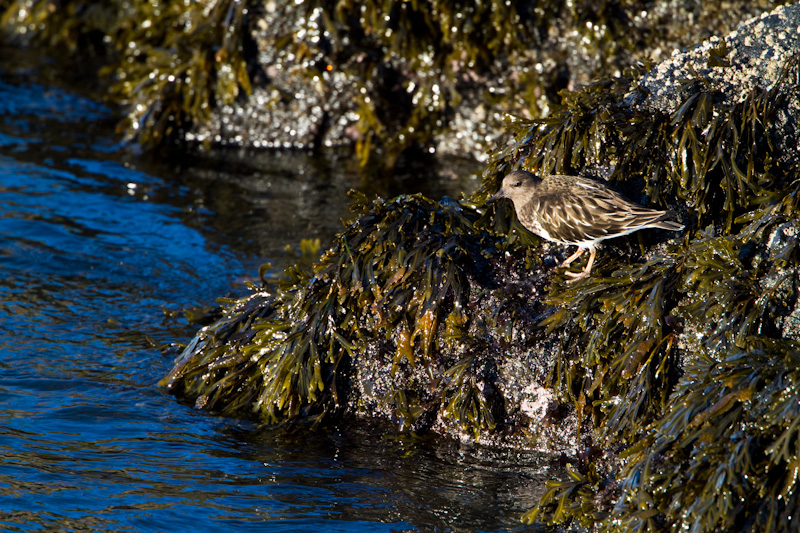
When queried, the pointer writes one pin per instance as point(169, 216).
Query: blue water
point(101, 248)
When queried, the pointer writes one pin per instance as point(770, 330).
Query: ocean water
point(102, 248)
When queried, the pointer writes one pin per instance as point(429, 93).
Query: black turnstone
point(577, 211)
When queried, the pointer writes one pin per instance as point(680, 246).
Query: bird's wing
point(587, 211)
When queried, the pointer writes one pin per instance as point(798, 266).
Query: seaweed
point(679, 354)
point(583, 131)
point(169, 62)
point(626, 364)
point(464, 401)
point(723, 151)
point(173, 76)
point(725, 455)
point(575, 497)
point(399, 272)
point(396, 73)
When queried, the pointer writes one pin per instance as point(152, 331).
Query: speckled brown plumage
point(577, 211)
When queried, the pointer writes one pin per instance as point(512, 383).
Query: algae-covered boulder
point(688, 358)
point(677, 358)
point(387, 77)
point(405, 319)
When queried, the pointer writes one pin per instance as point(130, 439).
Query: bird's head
point(518, 186)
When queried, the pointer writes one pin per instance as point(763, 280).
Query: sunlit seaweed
point(627, 364)
point(173, 76)
point(408, 65)
point(725, 455)
point(171, 62)
point(575, 498)
point(397, 273)
point(411, 61)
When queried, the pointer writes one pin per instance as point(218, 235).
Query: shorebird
point(577, 211)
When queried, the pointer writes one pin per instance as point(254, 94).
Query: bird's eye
point(518, 184)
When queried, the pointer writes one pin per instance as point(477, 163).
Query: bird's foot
point(586, 270)
point(566, 262)
point(575, 276)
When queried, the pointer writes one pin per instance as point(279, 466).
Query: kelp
point(681, 355)
point(585, 130)
point(730, 300)
point(706, 151)
point(671, 355)
point(400, 272)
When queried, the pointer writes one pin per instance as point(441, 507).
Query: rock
point(753, 57)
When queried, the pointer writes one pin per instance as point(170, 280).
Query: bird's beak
point(499, 194)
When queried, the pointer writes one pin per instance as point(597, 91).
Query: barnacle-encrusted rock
point(383, 77)
point(751, 59)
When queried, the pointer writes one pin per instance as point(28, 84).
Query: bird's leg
point(586, 270)
point(571, 258)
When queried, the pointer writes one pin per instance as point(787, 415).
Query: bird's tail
point(664, 222)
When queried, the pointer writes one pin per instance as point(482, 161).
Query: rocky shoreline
point(669, 377)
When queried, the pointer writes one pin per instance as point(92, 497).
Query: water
point(101, 249)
